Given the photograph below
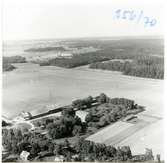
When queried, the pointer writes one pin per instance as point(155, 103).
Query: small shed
point(25, 115)
point(24, 155)
point(59, 158)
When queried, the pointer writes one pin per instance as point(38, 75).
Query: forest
point(141, 66)
point(7, 62)
point(74, 61)
point(8, 67)
point(146, 55)
point(14, 59)
point(40, 146)
point(45, 49)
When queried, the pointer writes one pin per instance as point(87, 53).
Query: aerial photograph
point(82, 81)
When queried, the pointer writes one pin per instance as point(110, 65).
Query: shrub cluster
point(110, 110)
point(66, 125)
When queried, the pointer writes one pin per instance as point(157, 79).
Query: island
point(8, 61)
point(68, 136)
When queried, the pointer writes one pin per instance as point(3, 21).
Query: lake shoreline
point(25, 68)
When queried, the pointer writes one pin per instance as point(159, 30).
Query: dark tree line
point(126, 48)
point(40, 146)
point(7, 62)
point(74, 61)
point(14, 59)
point(90, 151)
point(46, 49)
point(8, 67)
point(142, 66)
point(16, 142)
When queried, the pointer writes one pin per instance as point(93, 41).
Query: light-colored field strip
point(109, 132)
point(148, 137)
point(149, 118)
point(120, 131)
point(125, 133)
point(147, 133)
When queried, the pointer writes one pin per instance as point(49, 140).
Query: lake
point(31, 88)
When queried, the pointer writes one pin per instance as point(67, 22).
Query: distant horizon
point(89, 37)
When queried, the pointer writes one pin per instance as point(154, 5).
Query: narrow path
point(152, 116)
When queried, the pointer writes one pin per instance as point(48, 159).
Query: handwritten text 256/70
point(139, 17)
